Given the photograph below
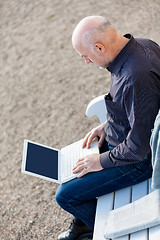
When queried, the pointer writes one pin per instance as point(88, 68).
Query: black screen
point(42, 160)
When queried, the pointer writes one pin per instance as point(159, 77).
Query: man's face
point(92, 57)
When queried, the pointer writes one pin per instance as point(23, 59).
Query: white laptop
point(52, 164)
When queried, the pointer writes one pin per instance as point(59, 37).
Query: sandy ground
point(44, 90)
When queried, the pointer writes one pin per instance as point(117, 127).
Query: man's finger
point(85, 140)
point(84, 172)
point(101, 140)
point(79, 163)
point(90, 139)
point(78, 169)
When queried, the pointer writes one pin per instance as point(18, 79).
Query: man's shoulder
point(144, 57)
point(149, 43)
point(146, 48)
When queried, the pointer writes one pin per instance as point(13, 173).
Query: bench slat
point(104, 205)
point(141, 235)
point(154, 232)
point(140, 190)
point(120, 201)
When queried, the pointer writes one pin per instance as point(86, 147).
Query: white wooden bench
point(119, 198)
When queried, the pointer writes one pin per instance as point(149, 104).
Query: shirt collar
point(115, 66)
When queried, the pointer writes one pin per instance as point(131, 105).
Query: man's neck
point(119, 45)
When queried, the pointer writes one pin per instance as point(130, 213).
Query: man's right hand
point(95, 132)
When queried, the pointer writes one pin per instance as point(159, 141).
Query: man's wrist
point(105, 160)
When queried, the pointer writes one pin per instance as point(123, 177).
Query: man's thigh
point(96, 184)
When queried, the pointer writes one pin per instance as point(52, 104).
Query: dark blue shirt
point(133, 102)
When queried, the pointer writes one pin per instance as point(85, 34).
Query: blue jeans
point(79, 196)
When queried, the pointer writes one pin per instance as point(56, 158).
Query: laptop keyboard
point(71, 154)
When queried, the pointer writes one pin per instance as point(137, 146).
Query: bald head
point(97, 41)
point(90, 30)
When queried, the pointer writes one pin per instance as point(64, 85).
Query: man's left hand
point(90, 163)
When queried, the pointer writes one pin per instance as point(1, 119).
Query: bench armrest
point(97, 108)
point(140, 214)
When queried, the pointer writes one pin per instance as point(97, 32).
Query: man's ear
point(99, 48)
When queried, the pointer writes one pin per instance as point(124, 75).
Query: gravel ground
point(44, 90)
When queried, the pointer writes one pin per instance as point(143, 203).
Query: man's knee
point(62, 196)
point(59, 196)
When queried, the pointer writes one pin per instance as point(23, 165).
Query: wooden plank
point(154, 232)
point(150, 182)
point(122, 197)
point(104, 205)
point(138, 191)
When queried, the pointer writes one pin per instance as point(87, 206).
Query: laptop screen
point(42, 161)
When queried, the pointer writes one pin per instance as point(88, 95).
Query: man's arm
point(141, 104)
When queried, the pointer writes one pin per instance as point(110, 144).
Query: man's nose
point(87, 60)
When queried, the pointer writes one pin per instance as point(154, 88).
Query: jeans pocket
point(126, 169)
point(144, 175)
point(143, 166)
point(135, 174)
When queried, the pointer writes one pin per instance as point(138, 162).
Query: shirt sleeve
point(141, 105)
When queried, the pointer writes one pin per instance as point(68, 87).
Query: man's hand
point(95, 132)
point(90, 163)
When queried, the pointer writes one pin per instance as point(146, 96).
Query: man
point(132, 106)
